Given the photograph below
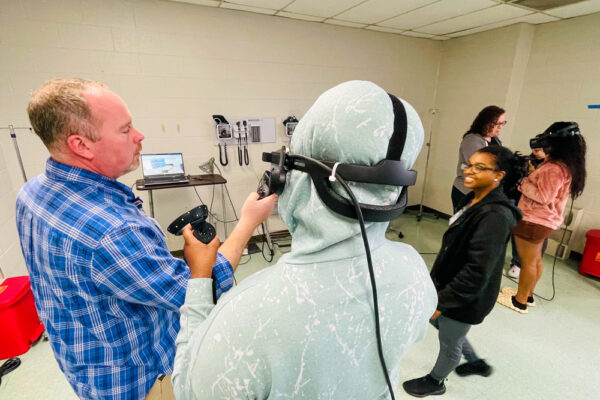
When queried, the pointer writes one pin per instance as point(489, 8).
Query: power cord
point(363, 231)
point(210, 210)
point(262, 249)
point(9, 365)
point(271, 249)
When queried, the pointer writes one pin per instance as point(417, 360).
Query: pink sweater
point(545, 194)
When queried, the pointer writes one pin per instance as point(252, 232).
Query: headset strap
point(398, 139)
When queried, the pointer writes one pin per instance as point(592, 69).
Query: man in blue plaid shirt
point(105, 285)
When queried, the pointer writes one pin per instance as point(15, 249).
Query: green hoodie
point(304, 328)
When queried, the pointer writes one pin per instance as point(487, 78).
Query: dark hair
point(482, 122)
point(570, 150)
point(511, 163)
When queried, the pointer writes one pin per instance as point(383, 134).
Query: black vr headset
point(388, 171)
point(556, 130)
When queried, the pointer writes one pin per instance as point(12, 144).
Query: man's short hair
point(58, 110)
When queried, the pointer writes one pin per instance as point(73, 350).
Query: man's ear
point(80, 146)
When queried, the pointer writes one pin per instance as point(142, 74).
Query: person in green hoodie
point(304, 328)
point(468, 269)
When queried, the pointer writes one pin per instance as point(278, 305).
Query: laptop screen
point(162, 165)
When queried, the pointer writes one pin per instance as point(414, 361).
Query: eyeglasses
point(477, 168)
point(500, 123)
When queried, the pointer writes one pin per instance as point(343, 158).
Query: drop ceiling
point(434, 19)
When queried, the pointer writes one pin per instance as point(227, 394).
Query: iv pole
point(433, 112)
point(13, 135)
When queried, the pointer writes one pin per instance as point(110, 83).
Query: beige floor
point(552, 353)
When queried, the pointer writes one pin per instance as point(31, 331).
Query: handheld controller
point(273, 180)
point(203, 231)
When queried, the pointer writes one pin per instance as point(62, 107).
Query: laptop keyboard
point(166, 181)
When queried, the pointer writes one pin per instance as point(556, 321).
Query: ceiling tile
point(248, 8)
point(573, 10)
point(417, 34)
point(383, 29)
point(344, 23)
point(300, 16)
point(211, 3)
point(435, 12)
point(536, 18)
point(373, 11)
point(473, 20)
point(321, 8)
point(272, 4)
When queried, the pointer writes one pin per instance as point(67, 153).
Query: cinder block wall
point(177, 64)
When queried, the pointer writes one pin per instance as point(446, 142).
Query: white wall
point(539, 74)
point(177, 64)
point(561, 80)
point(475, 71)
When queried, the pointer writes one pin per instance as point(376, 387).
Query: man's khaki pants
point(162, 389)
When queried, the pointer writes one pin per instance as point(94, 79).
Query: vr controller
point(203, 231)
point(273, 179)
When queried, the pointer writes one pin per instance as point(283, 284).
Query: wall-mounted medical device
point(290, 124)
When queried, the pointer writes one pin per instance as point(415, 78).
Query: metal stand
point(13, 135)
point(433, 112)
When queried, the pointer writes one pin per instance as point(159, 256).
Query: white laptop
point(163, 169)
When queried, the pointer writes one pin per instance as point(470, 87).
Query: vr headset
point(556, 130)
point(389, 171)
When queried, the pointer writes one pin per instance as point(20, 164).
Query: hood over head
point(350, 123)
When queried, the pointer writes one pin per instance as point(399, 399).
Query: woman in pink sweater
point(544, 196)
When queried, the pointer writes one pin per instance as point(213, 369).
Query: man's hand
point(436, 314)
point(199, 257)
point(255, 211)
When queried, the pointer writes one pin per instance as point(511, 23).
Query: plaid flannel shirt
point(106, 287)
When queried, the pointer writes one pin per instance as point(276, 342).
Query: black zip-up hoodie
point(468, 269)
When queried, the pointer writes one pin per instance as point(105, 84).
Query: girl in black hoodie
point(468, 268)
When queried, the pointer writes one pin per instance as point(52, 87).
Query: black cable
point(9, 365)
point(230, 201)
point(370, 265)
point(245, 262)
point(223, 163)
point(209, 211)
point(239, 138)
point(212, 200)
point(262, 249)
point(246, 156)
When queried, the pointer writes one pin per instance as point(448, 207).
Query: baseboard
point(275, 235)
point(576, 256)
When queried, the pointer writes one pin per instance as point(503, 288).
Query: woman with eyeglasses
point(544, 196)
point(483, 132)
point(468, 269)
